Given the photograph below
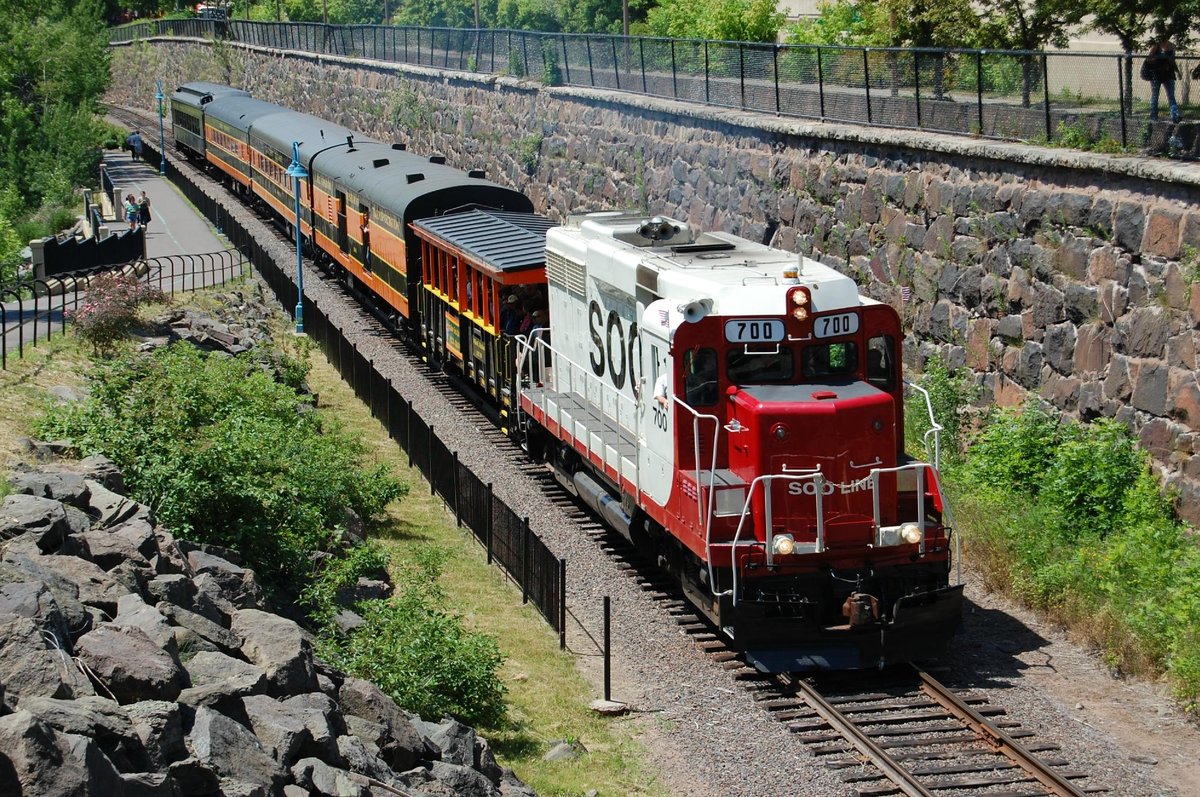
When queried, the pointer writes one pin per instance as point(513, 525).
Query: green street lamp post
point(162, 150)
point(297, 171)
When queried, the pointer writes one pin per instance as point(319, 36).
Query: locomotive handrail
point(919, 467)
point(712, 492)
point(935, 428)
point(818, 481)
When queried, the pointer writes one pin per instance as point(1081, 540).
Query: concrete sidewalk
point(175, 227)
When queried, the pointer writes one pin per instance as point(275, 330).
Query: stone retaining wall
point(1064, 274)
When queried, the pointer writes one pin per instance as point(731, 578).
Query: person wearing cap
point(510, 314)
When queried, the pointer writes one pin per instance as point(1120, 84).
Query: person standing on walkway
point(143, 210)
point(131, 211)
point(1163, 70)
point(135, 145)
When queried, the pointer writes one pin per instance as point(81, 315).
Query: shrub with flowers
point(109, 310)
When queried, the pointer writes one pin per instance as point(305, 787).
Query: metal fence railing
point(34, 308)
point(1028, 95)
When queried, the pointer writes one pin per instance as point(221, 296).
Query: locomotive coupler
point(861, 609)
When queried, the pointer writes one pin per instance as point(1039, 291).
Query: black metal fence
point(504, 533)
point(992, 94)
point(35, 308)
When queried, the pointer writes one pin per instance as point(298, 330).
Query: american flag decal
point(663, 315)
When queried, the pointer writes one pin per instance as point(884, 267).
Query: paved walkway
point(175, 227)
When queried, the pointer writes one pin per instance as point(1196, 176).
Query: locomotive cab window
point(700, 377)
point(831, 359)
point(749, 367)
point(881, 359)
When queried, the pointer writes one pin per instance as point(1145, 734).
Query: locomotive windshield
point(761, 368)
point(831, 359)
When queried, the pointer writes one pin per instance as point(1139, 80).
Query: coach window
point(881, 362)
point(700, 377)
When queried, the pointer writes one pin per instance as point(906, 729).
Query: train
point(735, 411)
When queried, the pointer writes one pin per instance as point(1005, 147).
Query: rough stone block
point(279, 646)
point(130, 664)
point(1162, 232)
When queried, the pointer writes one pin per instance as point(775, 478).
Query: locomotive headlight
point(784, 544)
point(799, 298)
point(800, 313)
point(910, 533)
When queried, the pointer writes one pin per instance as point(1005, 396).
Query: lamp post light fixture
point(297, 171)
point(162, 151)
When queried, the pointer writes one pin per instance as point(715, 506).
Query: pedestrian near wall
point(131, 211)
point(1162, 70)
point(135, 145)
point(143, 210)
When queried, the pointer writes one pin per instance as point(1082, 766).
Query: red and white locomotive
point(739, 411)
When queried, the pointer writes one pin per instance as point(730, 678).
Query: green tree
point(853, 23)
point(53, 68)
point(1029, 25)
point(725, 20)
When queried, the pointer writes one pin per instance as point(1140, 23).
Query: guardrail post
point(674, 73)
point(775, 69)
point(821, 82)
point(429, 457)
point(607, 649)
point(917, 84)
point(525, 561)
point(562, 604)
point(591, 66)
point(979, 87)
point(1046, 96)
point(706, 71)
point(642, 59)
point(1122, 102)
point(742, 72)
point(867, 80)
point(457, 497)
point(616, 62)
point(487, 543)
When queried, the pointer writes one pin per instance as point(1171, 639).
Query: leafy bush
point(223, 455)
point(1068, 518)
point(951, 392)
point(421, 654)
point(109, 310)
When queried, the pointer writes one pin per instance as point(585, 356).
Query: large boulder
point(130, 665)
point(234, 584)
point(34, 601)
point(107, 508)
point(455, 740)
point(219, 680)
point(203, 628)
point(231, 751)
point(32, 666)
point(103, 777)
point(43, 518)
point(50, 482)
point(108, 550)
point(35, 759)
point(400, 745)
point(279, 646)
point(315, 775)
point(133, 612)
point(159, 726)
point(100, 719)
point(100, 468)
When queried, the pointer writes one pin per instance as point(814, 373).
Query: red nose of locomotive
point(830, 437)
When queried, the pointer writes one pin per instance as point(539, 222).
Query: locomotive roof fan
point(658, 229)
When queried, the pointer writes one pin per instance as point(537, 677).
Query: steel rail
point(997, 739)
point(905, 781)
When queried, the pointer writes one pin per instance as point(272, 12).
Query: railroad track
point(895, 733)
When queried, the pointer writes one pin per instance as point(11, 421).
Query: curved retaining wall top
point(1067, 275)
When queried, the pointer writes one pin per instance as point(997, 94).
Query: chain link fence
point(1083, 99)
